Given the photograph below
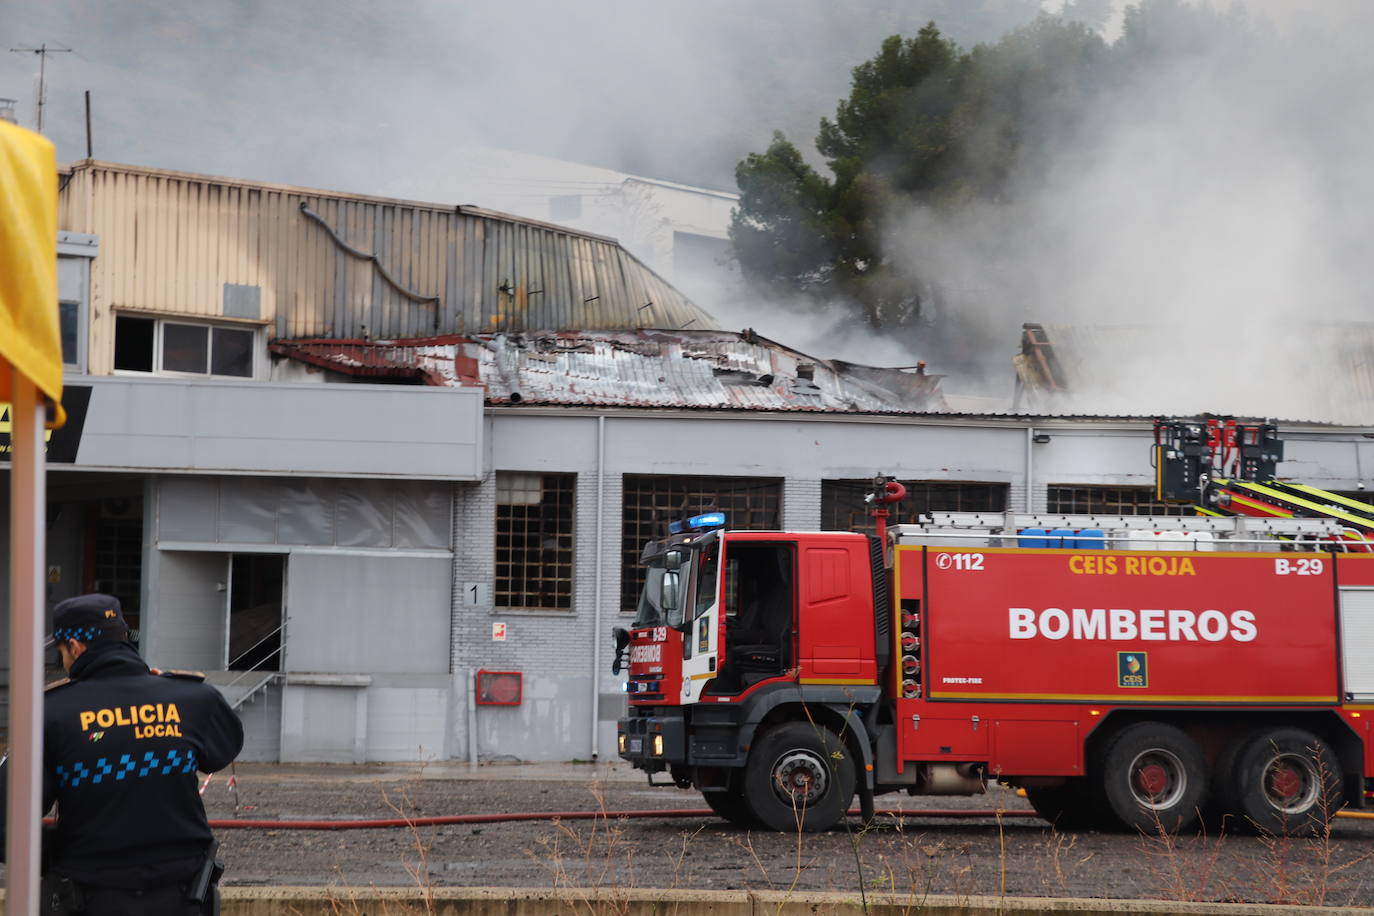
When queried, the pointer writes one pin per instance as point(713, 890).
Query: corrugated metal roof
point(1304, 372)
point(324, 263)
point(645, 368)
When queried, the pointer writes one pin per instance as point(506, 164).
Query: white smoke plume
point(1202, 232)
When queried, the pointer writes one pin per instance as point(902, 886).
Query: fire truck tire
point(1287, 781)
point(730, 803)
point(799, 775)
point(1153, 776)
point(1066, 807)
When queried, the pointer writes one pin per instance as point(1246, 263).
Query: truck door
point(701, 636)
point(759, 606)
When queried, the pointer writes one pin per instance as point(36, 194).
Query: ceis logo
point(1131, 670)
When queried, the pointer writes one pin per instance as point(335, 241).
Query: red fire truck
point(1128, 672)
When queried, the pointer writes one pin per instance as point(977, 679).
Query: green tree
point(925, 123)
point(799, 232)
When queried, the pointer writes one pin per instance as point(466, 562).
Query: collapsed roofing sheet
point(644, 368)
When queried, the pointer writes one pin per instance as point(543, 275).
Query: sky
point(332, 93)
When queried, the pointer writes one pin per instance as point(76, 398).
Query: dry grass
point(596, 864)
point(415, 860)
point(1295, 866)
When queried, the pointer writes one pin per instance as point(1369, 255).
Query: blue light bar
point(698, 522)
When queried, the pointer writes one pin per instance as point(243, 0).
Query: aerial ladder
point(1228, 467)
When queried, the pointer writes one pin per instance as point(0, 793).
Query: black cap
point(87, 617)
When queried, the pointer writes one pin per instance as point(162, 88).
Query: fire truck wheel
point(1287, 781)
point(1066, 807)
point(799, 775)
point(730, 803)
point(1153, 776)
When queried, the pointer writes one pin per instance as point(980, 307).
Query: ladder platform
point(1010, 522)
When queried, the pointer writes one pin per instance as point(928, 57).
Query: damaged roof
point(641, 368)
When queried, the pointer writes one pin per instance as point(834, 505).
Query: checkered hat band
point(85, 634)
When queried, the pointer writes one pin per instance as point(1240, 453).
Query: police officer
point(121, 749)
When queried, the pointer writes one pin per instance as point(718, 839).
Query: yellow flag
point(29, 338)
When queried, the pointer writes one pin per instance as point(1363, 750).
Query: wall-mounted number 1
point(476, 594)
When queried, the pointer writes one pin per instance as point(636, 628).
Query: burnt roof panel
point(651, 368)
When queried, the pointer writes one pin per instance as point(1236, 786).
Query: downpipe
point(596, 599)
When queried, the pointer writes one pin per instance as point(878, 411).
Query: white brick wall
point(535, 640)
point(474, 546)
point(543, 645)
point(801, 504)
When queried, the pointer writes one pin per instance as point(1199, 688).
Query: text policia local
point(1173, 625)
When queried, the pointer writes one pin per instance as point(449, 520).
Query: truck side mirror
point(672, 560)
point(670, 599)
point(621, 636)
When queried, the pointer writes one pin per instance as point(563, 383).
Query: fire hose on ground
point(447, 820)
point(456, 819)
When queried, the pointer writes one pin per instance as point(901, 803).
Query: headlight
point(620, 742)
point(658, 745)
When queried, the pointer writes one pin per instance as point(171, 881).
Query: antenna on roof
point(42, 51)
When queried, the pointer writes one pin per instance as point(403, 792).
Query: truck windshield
point(664, 600)
point(650, 611)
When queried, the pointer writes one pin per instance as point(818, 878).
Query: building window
point(74, 255)
point(183, 348)
point(69, 316)
point(650, 503)
point(534, 541)
point(843, 507)
point(1065, 499)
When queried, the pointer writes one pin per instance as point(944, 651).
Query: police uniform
point(121, 749)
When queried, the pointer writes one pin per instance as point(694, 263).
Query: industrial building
point(383, 468)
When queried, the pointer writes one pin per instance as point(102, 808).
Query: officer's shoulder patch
point(184, 675)
point(58, 683)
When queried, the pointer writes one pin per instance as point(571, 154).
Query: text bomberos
point(1129, 625)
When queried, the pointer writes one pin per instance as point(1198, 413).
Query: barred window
point(843, 507)
point(534, 540)
point(1070, 500)
point(651, 502)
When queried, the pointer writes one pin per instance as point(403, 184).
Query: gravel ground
point(1016, 856)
